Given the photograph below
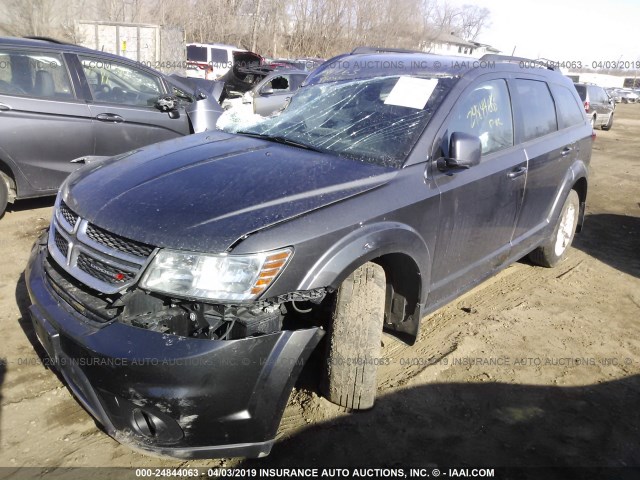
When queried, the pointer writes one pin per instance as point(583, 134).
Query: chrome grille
point(62, 244)
point(68, 214)
point(102, 271)
point(102, 260)
point(117, 242)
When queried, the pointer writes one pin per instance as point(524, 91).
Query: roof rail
point(358, 50)
point(48, 39)
point(510, 59)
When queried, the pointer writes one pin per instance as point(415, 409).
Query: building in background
point(160, 47)
point(451, 44)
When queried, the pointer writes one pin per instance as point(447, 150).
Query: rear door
point(123, 111)
point(549, 152)
point(479, 205)
point(43, 123)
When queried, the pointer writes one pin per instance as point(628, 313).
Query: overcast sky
point(580, 30)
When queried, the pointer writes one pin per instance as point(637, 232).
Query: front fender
point(367, 243)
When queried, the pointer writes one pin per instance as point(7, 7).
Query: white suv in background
point(212, 60)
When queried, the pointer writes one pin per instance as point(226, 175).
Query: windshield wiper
point(280, 139)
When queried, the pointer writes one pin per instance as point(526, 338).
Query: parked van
point(213, 60)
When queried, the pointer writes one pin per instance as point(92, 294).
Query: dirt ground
point(535, 367)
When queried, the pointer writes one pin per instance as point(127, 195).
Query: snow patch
point(238, 118)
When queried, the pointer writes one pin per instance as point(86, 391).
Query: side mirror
point(465, 151)
point(167, 103)
point(266, 91)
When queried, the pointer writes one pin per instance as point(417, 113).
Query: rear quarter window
point(219, 56)
point(537, 113)
point(38, 74)
point(598, 95)
point(569, 111)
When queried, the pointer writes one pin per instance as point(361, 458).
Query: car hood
point(204, 192)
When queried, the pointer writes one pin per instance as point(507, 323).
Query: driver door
point(479, 205)
point(273, 95)
point(123, 107)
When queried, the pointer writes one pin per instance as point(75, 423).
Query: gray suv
point(598, 105)
point(59, 102)
point(181, 288)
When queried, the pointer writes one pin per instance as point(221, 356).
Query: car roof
point(217, 45)
point(47, 43)
point(54, 45)
point(287, 71)
point(365, 62)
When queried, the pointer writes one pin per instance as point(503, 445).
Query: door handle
point(517, 172)
point(566, 151)
point(4, 108)
point(110, 117)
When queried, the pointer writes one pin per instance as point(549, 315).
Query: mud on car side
point(182, 286)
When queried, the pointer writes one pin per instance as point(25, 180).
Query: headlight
point(214, 277)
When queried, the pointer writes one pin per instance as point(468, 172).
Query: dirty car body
point(182, 286)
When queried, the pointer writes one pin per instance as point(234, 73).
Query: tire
point(555, 249)
point(609, 124)
point(354, 337)
point(4, 194)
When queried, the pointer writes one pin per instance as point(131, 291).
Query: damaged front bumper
point(166, 394)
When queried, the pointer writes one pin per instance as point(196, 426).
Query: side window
point(597, 95)
point(602, 95)
point(219, 57)
point(112, 82)
point(569, 111)
point(296, 81)
point(486, 113)
point(279, 84)
point(34, 74)
point(582, 92)
point(538, 113)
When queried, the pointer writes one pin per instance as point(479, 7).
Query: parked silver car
point(274, 91)
point(598, 105)
point(59, 102)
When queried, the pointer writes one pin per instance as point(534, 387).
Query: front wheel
point(555, 249)
point(354, 339)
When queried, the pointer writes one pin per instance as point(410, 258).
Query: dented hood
point(203, 192)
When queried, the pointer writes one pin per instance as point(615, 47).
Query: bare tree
point(472, 20)
point(296, 28)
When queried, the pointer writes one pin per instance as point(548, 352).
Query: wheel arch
point(580, 186)
point(7, 176)
point(575, 179)
point(403, 255)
